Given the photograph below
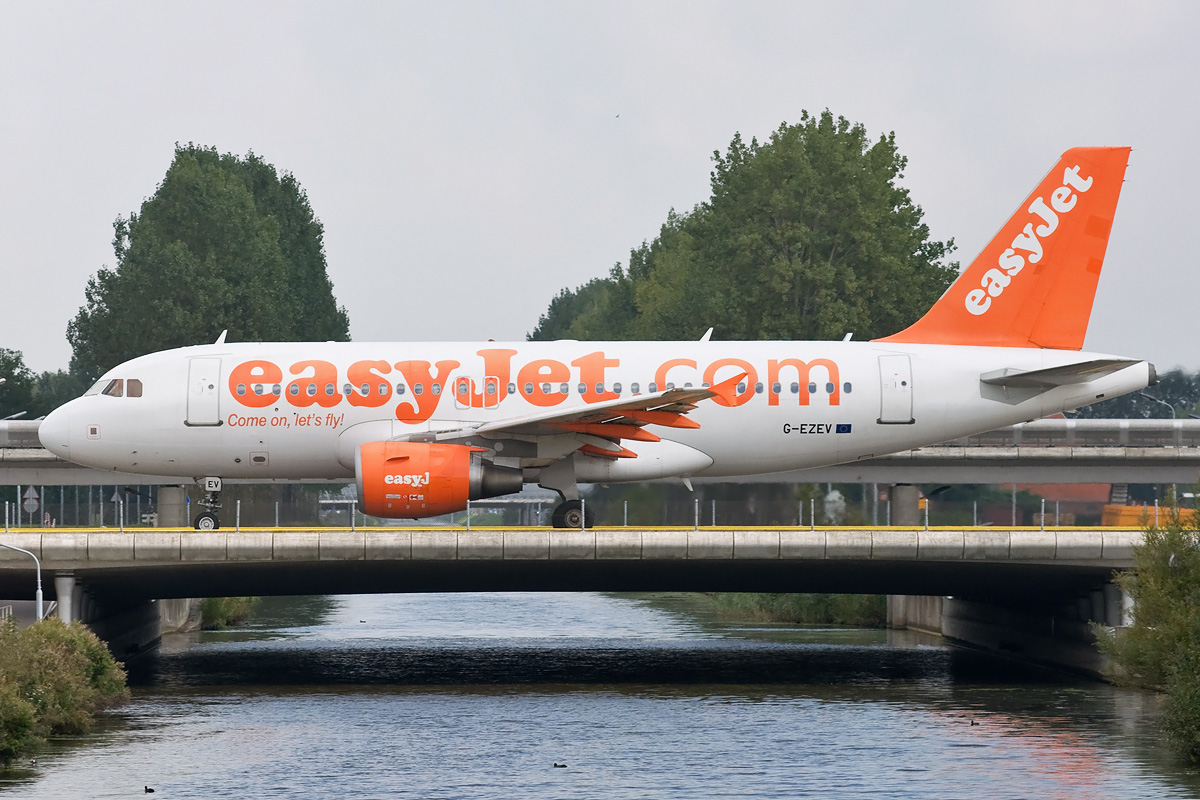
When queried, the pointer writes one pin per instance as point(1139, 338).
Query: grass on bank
point(1161, 649)
point(53, 679)
point(218, 613)
point(855, 610)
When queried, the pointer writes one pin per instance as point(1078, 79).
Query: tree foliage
point(1161, 649)
point(806, 236)
point(1176, 388)
point(224, 243)
point(36, 395)
point(16, 393)
point(53, 389)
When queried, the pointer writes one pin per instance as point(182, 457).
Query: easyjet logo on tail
point(1029, 241)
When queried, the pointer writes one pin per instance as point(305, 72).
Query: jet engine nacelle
point(412, 479)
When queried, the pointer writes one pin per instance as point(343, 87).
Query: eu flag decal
point(842, 427)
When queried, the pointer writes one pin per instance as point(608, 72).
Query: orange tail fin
point(1034, 284)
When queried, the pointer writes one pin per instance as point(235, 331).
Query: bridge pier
point(64, 592)
point(1059, 636)
point(905, 504)
point(172, 507)
point(127, 628)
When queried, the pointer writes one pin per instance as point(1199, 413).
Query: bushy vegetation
point(858, 610)
point(53, 680)
point(1161, 649)
point(218, 613)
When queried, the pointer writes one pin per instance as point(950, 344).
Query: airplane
point(424, 427)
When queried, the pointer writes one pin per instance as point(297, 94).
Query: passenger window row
point(384, 389)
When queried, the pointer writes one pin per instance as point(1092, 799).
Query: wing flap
point(612, 420)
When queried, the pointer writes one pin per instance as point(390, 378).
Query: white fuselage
point(302, 411)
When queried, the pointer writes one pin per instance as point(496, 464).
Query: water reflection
point(478, 695)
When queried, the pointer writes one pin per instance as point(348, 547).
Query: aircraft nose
point(54, 433)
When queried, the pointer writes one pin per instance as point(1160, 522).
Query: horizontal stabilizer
point(1082, 372)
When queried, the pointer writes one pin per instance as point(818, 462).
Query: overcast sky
point(468, 160)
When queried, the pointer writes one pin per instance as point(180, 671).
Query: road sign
point(31, 500)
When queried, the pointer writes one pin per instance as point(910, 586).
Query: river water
point(476, 695)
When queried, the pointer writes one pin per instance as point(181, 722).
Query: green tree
point(52, 389)
point(1176, 388)
point(1161, 649)
point(224, 243)
point(602, 308)
point(806, 236)
point(16, 393)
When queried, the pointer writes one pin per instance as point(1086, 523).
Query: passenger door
point(896, 391)
point(203, 401)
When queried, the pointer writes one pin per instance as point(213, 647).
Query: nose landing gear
point(208, 520)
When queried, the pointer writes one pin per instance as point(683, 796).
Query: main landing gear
point(208, 520)
point(560, 477)
point(571, 514)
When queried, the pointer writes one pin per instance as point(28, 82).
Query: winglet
point(727, 390)
point(1034, 284)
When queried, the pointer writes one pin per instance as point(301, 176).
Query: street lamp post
point(38, 564)
point(1160, 402)
point(1174, 487)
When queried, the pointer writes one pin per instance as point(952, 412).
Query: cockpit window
point(116, 387)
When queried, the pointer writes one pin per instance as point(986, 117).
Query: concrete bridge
point(1027, 591)
point(986, 563)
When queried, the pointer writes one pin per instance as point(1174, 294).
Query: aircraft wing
point(605, 424)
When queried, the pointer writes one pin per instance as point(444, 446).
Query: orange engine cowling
point(413, 479)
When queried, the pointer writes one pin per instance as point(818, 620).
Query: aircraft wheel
point(570, 515)
point(207, 522)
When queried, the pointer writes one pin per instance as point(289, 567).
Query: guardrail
point(1088, 433)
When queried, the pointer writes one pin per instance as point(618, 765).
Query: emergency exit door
point(896, 390)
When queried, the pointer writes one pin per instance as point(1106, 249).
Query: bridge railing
point(771, 505)
point(1090, 433)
